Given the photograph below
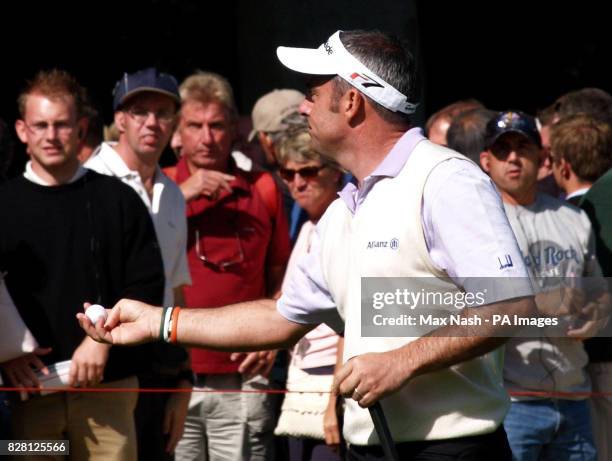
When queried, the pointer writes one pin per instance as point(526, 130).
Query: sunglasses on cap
point(307, 172)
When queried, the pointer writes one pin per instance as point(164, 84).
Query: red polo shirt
point(239, 238)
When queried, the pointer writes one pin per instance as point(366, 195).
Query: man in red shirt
point(238, 246)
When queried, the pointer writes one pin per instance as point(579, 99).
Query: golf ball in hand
point(95, 312)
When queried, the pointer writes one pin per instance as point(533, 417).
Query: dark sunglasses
point(308, 172)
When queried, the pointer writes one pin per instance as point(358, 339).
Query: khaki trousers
point(228, 426)
point(99, 425)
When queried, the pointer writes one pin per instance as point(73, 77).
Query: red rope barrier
point(540, 394)
point(559, 394)
point(154, 390)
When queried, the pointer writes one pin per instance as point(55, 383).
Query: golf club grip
point(384, 434)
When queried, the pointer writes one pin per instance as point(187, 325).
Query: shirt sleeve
point(306, 299)
point(468, 234)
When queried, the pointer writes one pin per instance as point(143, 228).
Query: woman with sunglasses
point(310, 419)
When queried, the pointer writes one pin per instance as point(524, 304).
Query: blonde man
point(237, 248)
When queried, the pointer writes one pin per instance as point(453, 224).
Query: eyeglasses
point(140, 115)
point(40, 128)
point(219, 265)
point(308, 172)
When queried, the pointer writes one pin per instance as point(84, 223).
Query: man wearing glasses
point(70, 235)
point(145, 105)
point(238, 247)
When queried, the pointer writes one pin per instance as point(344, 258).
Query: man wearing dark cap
point(405, 216)
point(145, 104)
point(557, 246)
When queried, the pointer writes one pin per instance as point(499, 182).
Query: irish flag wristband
point(161, 324)
point(165, 322)
point(174, 324)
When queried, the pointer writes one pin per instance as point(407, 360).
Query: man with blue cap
point(558, 246)
point(145, 104)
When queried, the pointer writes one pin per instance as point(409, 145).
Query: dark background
point(508, 54)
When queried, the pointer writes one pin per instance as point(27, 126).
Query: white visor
point(332, 58)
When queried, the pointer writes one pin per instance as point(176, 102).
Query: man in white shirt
point(145, 105)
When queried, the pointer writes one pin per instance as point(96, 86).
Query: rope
point(539, 394)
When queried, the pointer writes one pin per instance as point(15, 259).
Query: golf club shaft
point(384, 434)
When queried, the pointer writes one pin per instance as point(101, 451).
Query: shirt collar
point(113, 161)
point(397, 157)
point(30, 175)
point(117, 166)
point(390, 167)
point(577, 193)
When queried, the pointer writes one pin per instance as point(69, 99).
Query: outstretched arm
point(248, 326)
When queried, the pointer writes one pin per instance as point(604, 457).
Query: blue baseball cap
point(512, 121)
point(146, 80)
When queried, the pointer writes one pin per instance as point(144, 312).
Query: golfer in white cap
point(405, 216)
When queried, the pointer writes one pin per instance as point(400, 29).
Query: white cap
point(331, 58)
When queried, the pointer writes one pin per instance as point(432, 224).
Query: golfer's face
point(324, 118)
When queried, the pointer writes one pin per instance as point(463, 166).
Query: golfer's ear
point(352, 103)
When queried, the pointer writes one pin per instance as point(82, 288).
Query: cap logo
point(367, 81)
point(328, 48)
point(508, 119)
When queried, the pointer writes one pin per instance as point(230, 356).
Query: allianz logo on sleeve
point(392, 244)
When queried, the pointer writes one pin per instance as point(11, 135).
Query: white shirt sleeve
point(306, 298)
point(468, 234)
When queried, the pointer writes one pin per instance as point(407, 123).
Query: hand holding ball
point(95, 312)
